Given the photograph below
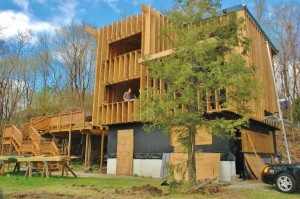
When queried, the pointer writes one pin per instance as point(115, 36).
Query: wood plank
point(256, 165)
point(260, 143)
point(91, 30)
point(158, 55)
point(125, 152)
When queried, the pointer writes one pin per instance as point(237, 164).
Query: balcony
point(118, 112)
point(122, 68)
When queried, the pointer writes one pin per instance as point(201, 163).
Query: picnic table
point(45, 160)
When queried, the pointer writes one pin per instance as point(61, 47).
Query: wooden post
point(83, 119)
point(62, 170)
point(59, 122)
point(89, 150)
point(9, 152)
point(2, 147)
point(47, 169)
point(29, 169)
point(2, 168)
point(101, 152)
point(87, 139)
point(69, 145)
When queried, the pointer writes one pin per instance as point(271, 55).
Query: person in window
point(128, 96)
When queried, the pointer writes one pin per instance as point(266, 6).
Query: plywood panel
point(176, 133)
point(125, 152)
point(261, 143)
point(207, 165)
point(203, 137)
point(179, 163)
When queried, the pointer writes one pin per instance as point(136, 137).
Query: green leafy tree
point(204, 59)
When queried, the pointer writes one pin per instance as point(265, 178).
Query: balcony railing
point(122, 67)
point(118, 112)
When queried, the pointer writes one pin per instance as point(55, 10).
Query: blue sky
point(46, 15)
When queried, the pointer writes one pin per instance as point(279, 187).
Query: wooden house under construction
point(127, 147)
point(130, 150)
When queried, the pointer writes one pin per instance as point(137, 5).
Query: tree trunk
point(191, 156)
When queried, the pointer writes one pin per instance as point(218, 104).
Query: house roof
point(244, 7)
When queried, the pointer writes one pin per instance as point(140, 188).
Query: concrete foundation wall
point(111, 166)
point(147, 168)
point(141, 167)
point(152, 168)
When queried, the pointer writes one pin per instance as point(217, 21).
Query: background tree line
point(46, 73)
point(281, 21)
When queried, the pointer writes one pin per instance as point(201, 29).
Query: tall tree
point(13, 69)
point(76, 54)
point(260, 10)
point(285, 23)
point(204, 59)
point(43, 58)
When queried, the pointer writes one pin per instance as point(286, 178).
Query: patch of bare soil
point(209, 190)
point(45, 195)
point(86, 187)
point(148, 189)
point(145, 191)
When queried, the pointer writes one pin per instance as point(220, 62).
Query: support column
point(9, 152)
point(69, 145)
point(2, 148)
point(87, 141)
point(101, 152)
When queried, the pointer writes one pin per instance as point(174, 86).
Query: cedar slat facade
point(120, 46)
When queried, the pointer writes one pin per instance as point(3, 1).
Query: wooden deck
point(27, 139)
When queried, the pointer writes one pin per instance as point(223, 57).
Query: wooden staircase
point(27, 142)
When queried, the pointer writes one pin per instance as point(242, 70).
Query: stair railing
point(17, 135)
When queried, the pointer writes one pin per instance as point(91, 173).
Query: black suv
point(286, 177)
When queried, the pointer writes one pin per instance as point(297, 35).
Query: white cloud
point(113, 4)
point(12, 22)
point(67, 12)
point(23, 4)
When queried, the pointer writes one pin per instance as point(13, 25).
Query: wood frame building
point(130, 149)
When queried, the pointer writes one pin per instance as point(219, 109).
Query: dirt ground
point(145, 191)
point(237, 190)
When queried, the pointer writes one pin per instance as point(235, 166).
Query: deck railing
point(50, 148)
point(34, 135)
point(119, 112)
point(17, 135)
point(68, 121)
point(122, 67)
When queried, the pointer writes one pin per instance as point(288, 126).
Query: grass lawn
point(17, 186)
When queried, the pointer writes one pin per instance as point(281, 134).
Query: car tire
point(286, 183)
